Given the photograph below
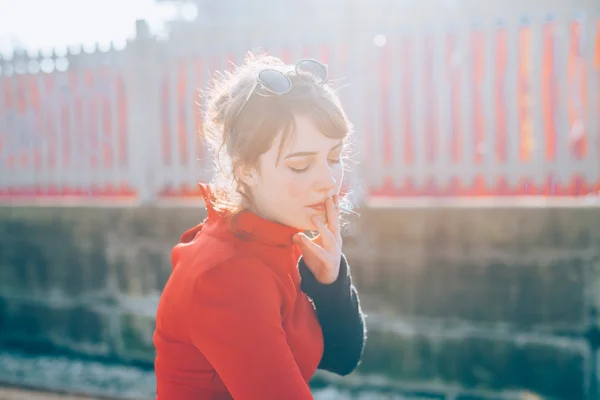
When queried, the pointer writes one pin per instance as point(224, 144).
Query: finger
point(333, 217)
point(317, 240)
point(308, 246)
point(325, 233)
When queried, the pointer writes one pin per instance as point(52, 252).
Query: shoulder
point(239, 287)
point(240, 265)
point(204, 253)
point(218, 267)
point(240, 274)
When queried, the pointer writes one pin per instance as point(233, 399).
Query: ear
point(247, 175)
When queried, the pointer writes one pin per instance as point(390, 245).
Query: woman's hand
point(323, 254)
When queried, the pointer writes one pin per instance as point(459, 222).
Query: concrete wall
point(491, 302)
point(488, 298)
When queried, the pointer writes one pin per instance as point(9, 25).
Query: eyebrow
point(311, 153)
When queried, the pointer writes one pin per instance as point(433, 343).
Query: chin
point(304, 224)
point(296, 223)
point(313, 227)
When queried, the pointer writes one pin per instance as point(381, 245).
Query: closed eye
point(299, 170)
point(304, 169)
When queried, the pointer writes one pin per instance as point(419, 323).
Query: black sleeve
point(341, 318)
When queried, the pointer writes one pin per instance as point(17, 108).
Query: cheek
point(296, 189)
point(297, 186)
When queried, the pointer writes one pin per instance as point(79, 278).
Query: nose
point(326, 181)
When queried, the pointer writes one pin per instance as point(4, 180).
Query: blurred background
point(476, 175)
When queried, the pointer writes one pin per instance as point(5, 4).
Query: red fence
point(509, 109)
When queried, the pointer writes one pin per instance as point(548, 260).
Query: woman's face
point(294, 190)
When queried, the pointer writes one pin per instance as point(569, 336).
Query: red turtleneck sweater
point(234, 322)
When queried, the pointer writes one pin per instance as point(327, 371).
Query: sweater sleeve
point(341, 318)
point(238, 329)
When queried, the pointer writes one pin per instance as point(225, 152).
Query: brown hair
point(238, 132)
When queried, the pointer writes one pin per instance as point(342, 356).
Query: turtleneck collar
point(247, 225)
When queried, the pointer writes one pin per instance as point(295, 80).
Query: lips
point(318, 206)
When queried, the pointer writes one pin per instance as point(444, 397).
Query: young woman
point(253, 306)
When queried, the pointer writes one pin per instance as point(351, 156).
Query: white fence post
point(141, 82)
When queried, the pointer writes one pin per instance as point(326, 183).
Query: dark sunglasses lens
point(314, 68)
point(275, 81)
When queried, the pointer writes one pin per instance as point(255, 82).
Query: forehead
point(307, 137)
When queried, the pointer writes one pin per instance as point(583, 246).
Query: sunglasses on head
point(273, 82)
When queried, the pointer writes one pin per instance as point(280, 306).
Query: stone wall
point(486, 301)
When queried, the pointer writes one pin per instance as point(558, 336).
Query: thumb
point(309, 247)
point(300, 239)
